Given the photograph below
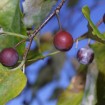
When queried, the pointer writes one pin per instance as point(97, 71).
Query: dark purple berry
point(9, 57)
point(63, 41)
point(104, 18)
point(85, 55)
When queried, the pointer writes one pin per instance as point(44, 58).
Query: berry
point(85, 55)
point(9, 57)
point(63, 41)
point(104, 18)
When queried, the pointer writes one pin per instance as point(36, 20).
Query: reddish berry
point(63, 41)
point(85, 55)
point(104, 18)
point(9, 57)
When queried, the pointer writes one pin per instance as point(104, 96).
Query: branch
point(90, 35)
point(41, 26)
point(48, 19)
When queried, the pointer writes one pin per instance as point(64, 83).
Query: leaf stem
point(14, 34)
point(53, 53)
point(42, 57)
point(99, 22)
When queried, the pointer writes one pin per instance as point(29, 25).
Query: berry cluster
point(8, 57)
point(63, 41)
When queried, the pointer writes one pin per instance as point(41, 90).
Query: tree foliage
point(85, 88)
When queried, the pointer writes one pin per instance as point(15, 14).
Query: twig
point(20, 43)
point(99, 22)
point(88, 35)
point(49, 18)
point(41, 26)
point(27, 49)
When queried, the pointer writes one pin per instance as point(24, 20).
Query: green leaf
point(70, 98)
point(74, 93)
point(72, 3)
point(11, 84)
point(46, 42)
point(99, 50)
point(95, 30)
point(57, 91)
point(10, 20)
point(36, 11)
point(33, 56)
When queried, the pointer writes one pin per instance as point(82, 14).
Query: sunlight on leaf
point(70, 98)
point(11, 84)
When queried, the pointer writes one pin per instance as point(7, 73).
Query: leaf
point(74, 93)
point(33, 56)
point(51, 70)
point(57, 91)
point(46, 42)
point(10, 20)
point(11, 84)
point(99, 50)
point(90, 93)
point(36, 11)
point(72, 3)
point(70, 98)
point(95, 30)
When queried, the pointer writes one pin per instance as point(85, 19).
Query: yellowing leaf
point(70, 98)
point(11, 84)
point(74, 93)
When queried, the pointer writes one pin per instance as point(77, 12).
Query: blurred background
point(47, 78)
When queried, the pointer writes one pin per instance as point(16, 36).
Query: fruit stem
point(99, 22)
point(53, 53)
point(58, 18)
point(19, 66)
